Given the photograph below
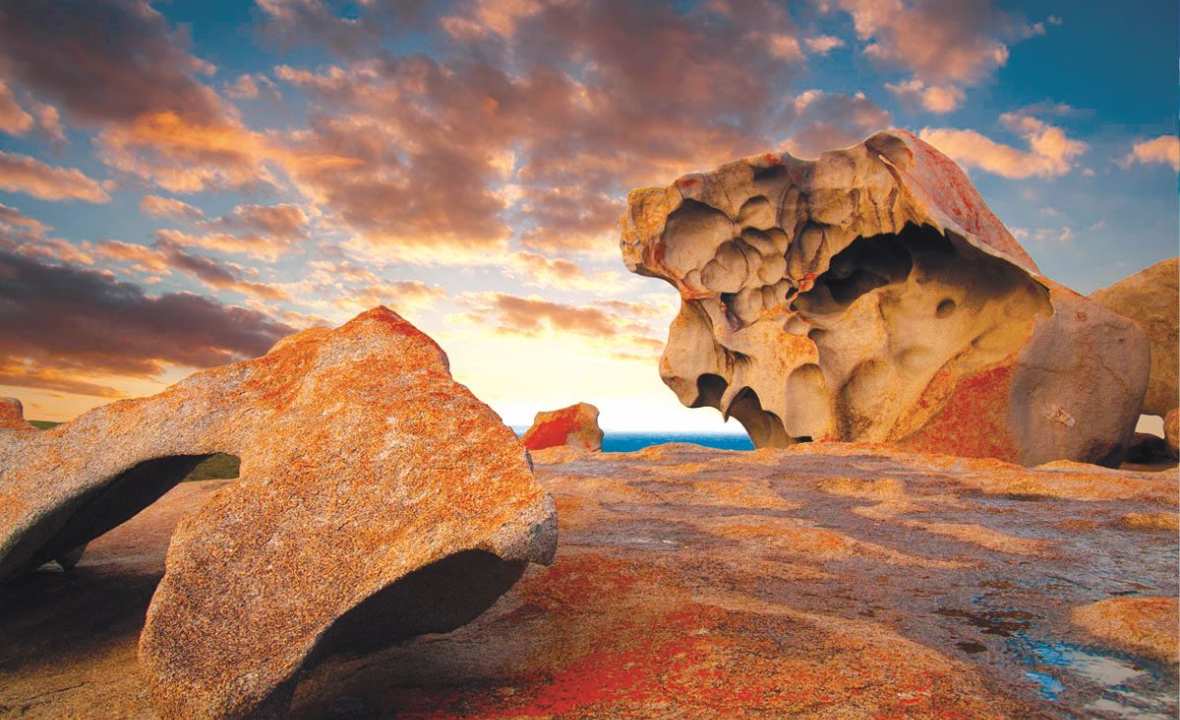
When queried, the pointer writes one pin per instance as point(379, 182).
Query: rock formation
point(12, 415)
point(1151, 298)
point(1172, 431)
point(575, 426)
point(378, 500)
point(871, 295)
point(823, 581)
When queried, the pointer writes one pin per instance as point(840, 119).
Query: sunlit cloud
point(1163, 150)
point(25, 174)
point(1050, 151)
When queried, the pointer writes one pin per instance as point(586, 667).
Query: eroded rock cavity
point(871, 295)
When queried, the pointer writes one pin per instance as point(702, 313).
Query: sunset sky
point(183, 182)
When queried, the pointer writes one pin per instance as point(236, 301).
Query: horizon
point(202, 180)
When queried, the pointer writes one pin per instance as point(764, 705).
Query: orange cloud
point(1163, 150)
point(21, 173)
point(157, 206)
point(13, 119)
point(933, 98)
point(1050, 154)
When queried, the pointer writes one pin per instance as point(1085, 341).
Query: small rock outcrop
point(378, 500)
point(871, 295)
point(12, 415)
point(1150, 298)
point(575, 426)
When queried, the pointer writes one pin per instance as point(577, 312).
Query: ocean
point(632, 441)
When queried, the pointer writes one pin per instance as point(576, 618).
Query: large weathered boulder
point(575, 426)
point(871, 295)
point(378, 500)
point(12, 415)
point(1151, 298)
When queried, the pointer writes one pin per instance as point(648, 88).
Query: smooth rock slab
point(871, 295)
point(826, 581)
point(378, 500)
point(574, 426)
point(1151, 297)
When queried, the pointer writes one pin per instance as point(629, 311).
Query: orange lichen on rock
point(576, 426)
point(1146, 624)
point(984, 537)
point(378, 500)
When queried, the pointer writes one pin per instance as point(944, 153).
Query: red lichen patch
point(576, 425)
point(1145, 624)
point(972, 420)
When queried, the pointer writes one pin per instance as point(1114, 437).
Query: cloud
point(1051, 153)
point(32, 376)
point(823, 44)
point(533, 115)
point(825, 121)
point(13, 119)
point(157, 206)
point(939, 41)
point(943, 44)
point(933, 98)
point(1163, 150)
point(21, 173)
point(137, 84)
point(14, 220)
point(261, 231)
point(252, 86)
point(80, 322)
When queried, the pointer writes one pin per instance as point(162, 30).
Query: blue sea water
point(632, 441)
point(628, 442)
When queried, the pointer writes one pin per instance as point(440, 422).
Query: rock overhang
point(883, 249)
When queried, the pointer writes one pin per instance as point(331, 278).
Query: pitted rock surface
point(871, 295)
point(823, 581)
point(575, 426)
point(378, 500)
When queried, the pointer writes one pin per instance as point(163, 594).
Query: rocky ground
point(829, 581)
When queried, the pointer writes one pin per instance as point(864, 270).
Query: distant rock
point(575, 426)
point(378, 500)
point(1151, 297)
point(12, 415)
point(871, 295)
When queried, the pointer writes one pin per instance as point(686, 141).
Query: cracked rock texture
point(575, 426)
point(1151, 297)
point(823, 581)
point(871, 295)
point(378, 500)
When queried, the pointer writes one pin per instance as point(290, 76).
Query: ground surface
point(830, 582)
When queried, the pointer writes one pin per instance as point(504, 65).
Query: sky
point(184, 182)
